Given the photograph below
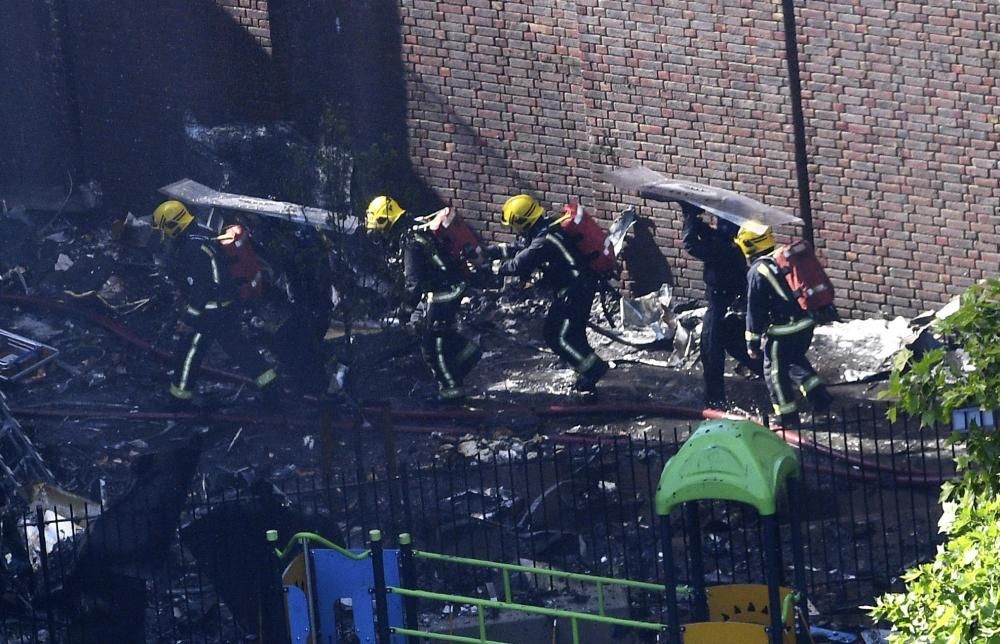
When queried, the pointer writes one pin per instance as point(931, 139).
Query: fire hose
point(115, 328)
point(858, 466)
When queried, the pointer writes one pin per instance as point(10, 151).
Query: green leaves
point(942, 380)
point(954, 599)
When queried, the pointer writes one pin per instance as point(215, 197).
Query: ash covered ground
point(103, 403)
point(113, 392)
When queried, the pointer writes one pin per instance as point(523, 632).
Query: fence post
point(359, 465)
point(673, 629)
point(43, 553)
point(274, 572)
point(404, 494)
point(381, 601)
point(698, 597)
point(772, 552)
point(798, 552)
point(311, 587)
point(388, 439)
point(409, 577)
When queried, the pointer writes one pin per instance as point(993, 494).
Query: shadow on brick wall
point(143, 68)
point(648, 268)
point(104, 90)
point(342, 60)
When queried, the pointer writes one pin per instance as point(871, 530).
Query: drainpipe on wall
point(798, 119)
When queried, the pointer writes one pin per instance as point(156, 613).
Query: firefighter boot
point(468, 359)
point(180, 399)
point(272, 396)
point(820, 399)
point(586, 382)
point(448, 396)
point(178, 403)
point(786, 421)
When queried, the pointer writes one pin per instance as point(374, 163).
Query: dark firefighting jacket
point(427, 269)
point(201, 271)
point(550, 251)
point(725, 268)
point(772, 308)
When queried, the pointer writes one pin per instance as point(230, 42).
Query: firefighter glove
point(753, 350)
point(691, 210)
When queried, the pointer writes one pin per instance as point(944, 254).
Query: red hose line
point(871, 470)
point(433, 414)
point(115, 328)
point(228, 419)
point(793, 437)
point(865, 471)
point(300, 421)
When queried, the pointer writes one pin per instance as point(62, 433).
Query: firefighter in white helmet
point(775, 318)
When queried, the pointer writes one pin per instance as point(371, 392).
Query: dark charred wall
point(311, 42)
point(106, 89)
point(901, 101)
point(38, 143)
point(148, 67)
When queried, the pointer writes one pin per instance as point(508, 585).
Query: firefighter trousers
point(787, 371)
point(449, 354)
point(565, 328)
point(722, 334)
point(220, 325)
point(298, 345)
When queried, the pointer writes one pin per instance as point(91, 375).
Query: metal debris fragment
point(727, 204)
point(21, 466)
point(193, 193)
point(21, 356)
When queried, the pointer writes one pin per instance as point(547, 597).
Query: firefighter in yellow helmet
point(775, 318)
point(210, 314)
point(433, 276)
point(574, 285)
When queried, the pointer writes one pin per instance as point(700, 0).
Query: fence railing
point(582, 505)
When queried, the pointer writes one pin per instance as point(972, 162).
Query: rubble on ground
point(859, 349)
point(104, 384)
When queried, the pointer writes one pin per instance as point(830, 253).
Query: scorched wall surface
point(901, 104)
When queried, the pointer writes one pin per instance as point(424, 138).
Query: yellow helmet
point(520, 212)
point(755, 238)
point(172, 218)
point(382, 214)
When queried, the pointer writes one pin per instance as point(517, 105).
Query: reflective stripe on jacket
point(772, 308)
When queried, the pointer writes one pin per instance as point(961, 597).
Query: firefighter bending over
point(573, 283)
point(432, 275)
point(775, 317)
point(725, 275)
point(198, 266)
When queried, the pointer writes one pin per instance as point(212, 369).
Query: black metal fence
point(578, 503)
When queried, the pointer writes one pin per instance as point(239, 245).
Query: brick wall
point(254, 16)
point(901, 103)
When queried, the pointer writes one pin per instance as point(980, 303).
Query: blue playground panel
point(336, 576)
